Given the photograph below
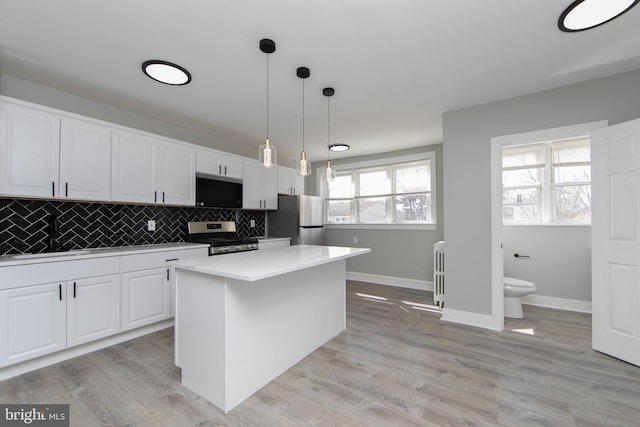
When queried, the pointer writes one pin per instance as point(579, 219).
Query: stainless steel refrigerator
point(299, 217)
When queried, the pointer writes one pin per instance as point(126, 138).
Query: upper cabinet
point(45, 155)
point(260, 187)
point(85, 161)
point(217, 164)
point(289, 182)
point(147, 170)
point(29, 151)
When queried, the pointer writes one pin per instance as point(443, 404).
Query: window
point(397, 192)
point(547, 182)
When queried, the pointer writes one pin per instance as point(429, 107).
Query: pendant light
point(329, 172)
point(304, 166)
point(267, 152)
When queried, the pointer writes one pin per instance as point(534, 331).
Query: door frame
point(497, 255)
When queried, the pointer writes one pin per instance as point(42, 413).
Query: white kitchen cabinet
point(216, 164)
point(147, 170)
point(85, 161)
point(135, 168)
point(146, 297)
point(177, 174)
point(260, 187)
point(289, 182)
point(29, 151)
point(52, 157)
point(93, 309)
point(32, 321)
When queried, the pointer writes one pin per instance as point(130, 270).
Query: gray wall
point(560, 259)
point(467, 168)
point(406, 254)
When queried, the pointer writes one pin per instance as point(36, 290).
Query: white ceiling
point(396, 65)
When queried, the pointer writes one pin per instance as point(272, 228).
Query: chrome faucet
point(53, 233)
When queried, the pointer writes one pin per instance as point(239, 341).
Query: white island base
point(235, 335)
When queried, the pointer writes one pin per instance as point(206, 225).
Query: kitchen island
point(242, 319)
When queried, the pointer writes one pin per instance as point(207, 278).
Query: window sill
point(549, 224)
point(426, 227)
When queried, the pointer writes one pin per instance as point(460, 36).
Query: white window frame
point(385, 163)
point(547, 184)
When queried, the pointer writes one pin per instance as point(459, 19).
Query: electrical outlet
point(151, 225)
point(252, 223)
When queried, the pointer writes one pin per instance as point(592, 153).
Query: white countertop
point(24, 259)
point(272, 239)
point(257, 265)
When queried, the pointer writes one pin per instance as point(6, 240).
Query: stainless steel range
point(221, 237)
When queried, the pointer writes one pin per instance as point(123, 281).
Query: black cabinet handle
point(74, 289)
point(172, 259)
point(225, 171)
point(219, 169)
point(163, 197)
point(520, 256)
point(60, 292)
point(53, 189)
point(168, 269)
point(66, 189)
point(155, 196)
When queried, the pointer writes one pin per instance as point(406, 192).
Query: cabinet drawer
point(17, 276)
point(158, 259)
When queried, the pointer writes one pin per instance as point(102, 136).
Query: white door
point(146, 297)
point(135, 168)
point(85, 161)
point(177, 175)
point(93, 309)
point(270, 188)
point(32, 322)
point(615, 164)
point(252, 186)
point(29, 151)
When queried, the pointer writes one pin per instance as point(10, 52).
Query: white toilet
point(513, 290)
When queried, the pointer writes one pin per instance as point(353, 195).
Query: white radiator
point(438, 274)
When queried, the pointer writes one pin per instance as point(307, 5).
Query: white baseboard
point(558, 303)
point(485, 321)
point(422, 285)
point(60, 356)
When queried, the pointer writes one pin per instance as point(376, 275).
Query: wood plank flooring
point(397, 364)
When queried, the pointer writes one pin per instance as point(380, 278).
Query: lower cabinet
point(47, 318)
point(146, 297)
point(33, 322)
point(93, 309)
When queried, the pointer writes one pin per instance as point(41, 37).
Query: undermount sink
point(50, 254)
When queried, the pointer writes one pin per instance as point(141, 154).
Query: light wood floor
point(396, 364)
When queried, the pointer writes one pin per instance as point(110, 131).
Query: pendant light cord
point(302, 114)
point(328, 129)
point(267, 96)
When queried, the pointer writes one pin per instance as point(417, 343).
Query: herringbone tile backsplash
point(23, 224)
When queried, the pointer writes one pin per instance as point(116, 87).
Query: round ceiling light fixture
point(166, 72)
point(586, 14)
point(339, 147)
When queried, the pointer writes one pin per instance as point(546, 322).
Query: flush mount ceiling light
point(304, 167)
point(339, 147)
point(166, 72)
point(267, 152)
point(585, 14)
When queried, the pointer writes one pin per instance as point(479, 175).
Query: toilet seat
point(519, 283)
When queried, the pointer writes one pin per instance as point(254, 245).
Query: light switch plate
point(151, 225)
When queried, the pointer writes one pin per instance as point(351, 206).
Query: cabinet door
point(298, 184)
point(146, 297)
point(29, 151)
point(177, 175)
point(135, 168)
point(231, 167)
point(285, 180)
point(252, 186)
point(85, 161)
point(32, 321)
point(270, 188)
point(93, 309)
